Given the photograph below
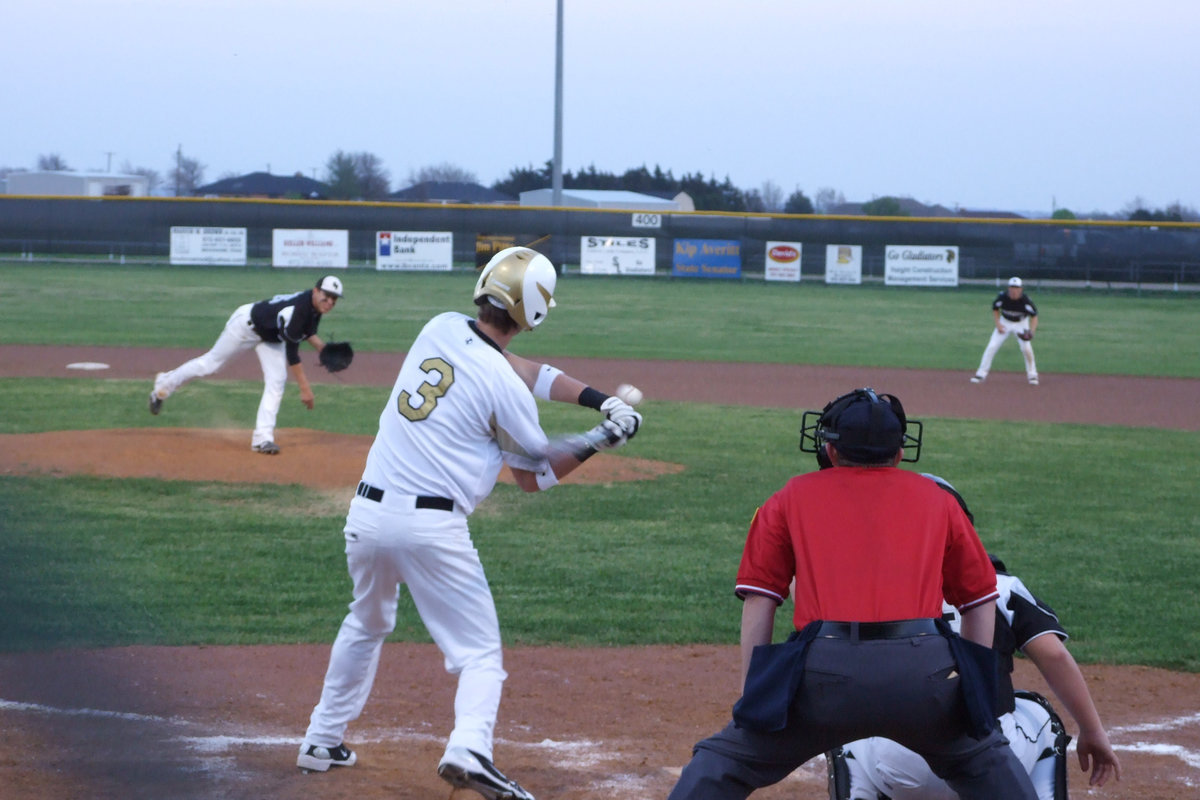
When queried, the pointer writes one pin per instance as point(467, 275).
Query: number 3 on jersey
point(429, 390)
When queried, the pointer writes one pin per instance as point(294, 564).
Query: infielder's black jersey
point(287, 318)
point(1014, 310)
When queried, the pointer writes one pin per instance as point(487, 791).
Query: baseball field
point(167, 597)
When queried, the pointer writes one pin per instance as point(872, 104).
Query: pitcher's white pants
point(429, 550)
point(881, 766)
point(993, 345)
point(238, 337)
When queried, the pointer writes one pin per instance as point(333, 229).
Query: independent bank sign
point(920, 265)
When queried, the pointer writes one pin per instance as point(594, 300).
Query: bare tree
point(772, 196)
point(52, 162)
point(828, 199)
point(153, 179)
point(187, 174)
point(1133, 206)
point(441, 173)
point(373, 177)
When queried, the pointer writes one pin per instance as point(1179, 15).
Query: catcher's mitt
point(1025, 336)
point(336, 356)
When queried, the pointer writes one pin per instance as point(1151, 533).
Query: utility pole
point(556, 172)
point(108, 169)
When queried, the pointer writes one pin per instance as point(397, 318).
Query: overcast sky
point(1019, 105)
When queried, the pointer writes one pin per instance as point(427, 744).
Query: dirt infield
point(616, 723)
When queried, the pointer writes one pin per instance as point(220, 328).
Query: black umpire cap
point(865, 427)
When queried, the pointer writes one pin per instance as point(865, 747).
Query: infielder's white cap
point(331, 284)
point(1011, 281)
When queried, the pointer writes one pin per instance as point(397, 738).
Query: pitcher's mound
point(311, 458)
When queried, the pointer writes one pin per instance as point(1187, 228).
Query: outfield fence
point(1101, 254)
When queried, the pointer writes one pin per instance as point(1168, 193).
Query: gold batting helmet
point(522, 281)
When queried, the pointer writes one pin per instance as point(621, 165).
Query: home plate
point(87, 365)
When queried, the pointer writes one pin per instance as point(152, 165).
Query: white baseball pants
point(430, 550)
point(238, 337)
point(881, 766)
point(993, 345)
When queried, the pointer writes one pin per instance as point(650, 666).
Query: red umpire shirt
point(891, 558)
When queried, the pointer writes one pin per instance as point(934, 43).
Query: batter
point(461, 407)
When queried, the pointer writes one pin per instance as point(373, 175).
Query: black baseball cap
point(867, 431)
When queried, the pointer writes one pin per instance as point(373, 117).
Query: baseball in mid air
point(629, 393)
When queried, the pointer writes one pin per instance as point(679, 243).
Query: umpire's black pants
point(904, 689)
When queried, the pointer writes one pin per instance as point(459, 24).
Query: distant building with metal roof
point(601, 198)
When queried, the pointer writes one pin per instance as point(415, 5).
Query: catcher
point(1012, 312)
point(274, 329)
point(871, 768)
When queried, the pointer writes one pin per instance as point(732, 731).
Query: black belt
point(423, 500)
point(897, 629)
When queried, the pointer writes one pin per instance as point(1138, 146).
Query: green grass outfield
point(1081, 331)
point(1099, 521)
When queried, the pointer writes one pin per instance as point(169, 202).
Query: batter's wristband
point(546, 479)
point(545, 379)
point(592, 398)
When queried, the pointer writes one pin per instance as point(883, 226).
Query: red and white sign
point(783, 261)
point(310, 248)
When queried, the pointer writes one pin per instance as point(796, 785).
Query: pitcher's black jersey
point(287, 318)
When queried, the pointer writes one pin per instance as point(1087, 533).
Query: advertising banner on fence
point(707, 258)
point(920, 265)
point(616, 255)
point(414, 250)
point(843, 263)
point(301, 248)
point(208, 246)
point(782, 261)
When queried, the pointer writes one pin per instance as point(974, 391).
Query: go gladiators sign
point(920, 265)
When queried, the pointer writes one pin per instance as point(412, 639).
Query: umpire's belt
point(419, 501)
point(895, 629)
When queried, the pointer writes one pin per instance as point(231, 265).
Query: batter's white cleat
point(976, 379)
point(266, 448)
point(1033, 381)
point(466, 769)
point(320, 759)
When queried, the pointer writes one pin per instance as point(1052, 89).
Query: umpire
point(872, 550)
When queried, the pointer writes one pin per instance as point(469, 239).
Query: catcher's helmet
point(521, 281)
point(863, 427)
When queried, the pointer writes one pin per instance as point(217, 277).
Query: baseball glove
point(1025, 336)
point(336, 356)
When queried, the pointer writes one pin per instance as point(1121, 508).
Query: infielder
point(273, 328)
point(872, 768)
point(1013, 313)
point(461, 408)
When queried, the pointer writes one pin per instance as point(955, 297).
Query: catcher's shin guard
point(839, 775)
point(1057, 751)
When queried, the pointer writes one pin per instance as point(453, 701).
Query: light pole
point(556, 169)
